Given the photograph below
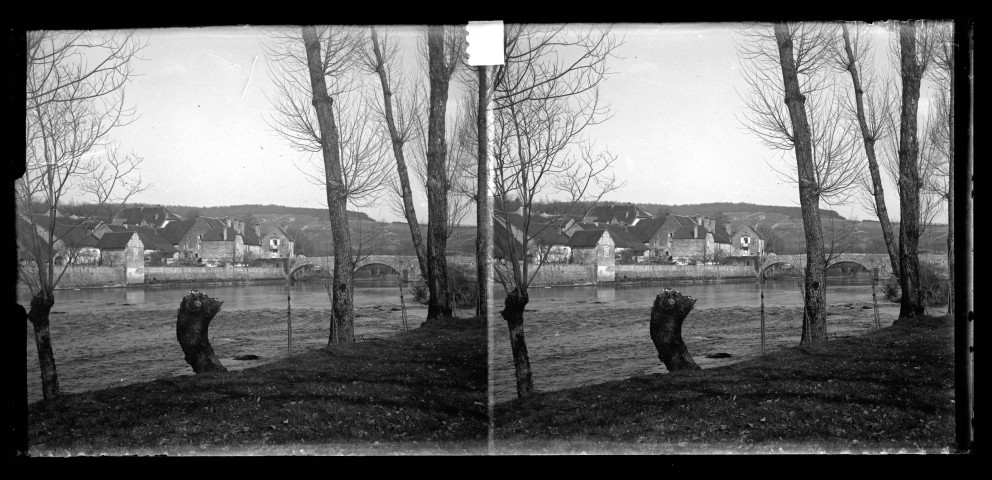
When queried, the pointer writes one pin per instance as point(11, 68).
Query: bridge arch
point(391, 267)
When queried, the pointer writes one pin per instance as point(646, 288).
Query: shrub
point(935, 289)
point(420, 292)
point(463, 289)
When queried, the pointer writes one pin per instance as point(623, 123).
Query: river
point(369, 291)
point(588, 335)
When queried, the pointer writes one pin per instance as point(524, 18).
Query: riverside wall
point(587, 274)
point(102, 276)
point(154, 275)
point(547, 275)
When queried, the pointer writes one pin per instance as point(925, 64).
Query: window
point(274, 242)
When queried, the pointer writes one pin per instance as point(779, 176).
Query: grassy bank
point(885, 391)
point(421, 391)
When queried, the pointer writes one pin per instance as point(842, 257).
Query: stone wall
point(563, 274)
point(682, 272)
point(87, 276)
point(221, 250)
point(207, 274)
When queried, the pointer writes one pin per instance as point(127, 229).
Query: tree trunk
point(669, 311)
point(397, 141)
point(342, 286)
point(814, 297)
point(950, 192)
point(912, 304)
point(484, 218)
point(513, 313)
point(869, 142)
point(437, 180)
point(192, 323)
point(41, 307)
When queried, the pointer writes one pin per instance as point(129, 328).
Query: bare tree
point(852, 58)
point(380, 55)
point(338, 46)
point(544, 98)
point(458, 172)
point(445, 47)
point(942, 134)
point(799, 52)
point(916, 41)
point(74, 98)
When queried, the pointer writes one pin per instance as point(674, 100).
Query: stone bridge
point(406, 266)
point(869, 261)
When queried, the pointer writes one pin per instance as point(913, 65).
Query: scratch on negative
point(250, 76)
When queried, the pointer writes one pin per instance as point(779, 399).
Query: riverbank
point(573, 343)
point(119, 344)
point(420, 391)
point(890, 390)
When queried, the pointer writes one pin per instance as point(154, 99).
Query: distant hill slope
point(709, 209)
point(251, 209)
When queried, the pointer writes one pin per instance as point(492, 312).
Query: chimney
point(228, 220)
point(698, 219)
point(225, 234)
point(726, 226)
point(258, 230)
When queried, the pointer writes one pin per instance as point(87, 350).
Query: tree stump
point(195, 313)
point(669, 311)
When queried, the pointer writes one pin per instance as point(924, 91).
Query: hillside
point(786, 225)
point(707, 209)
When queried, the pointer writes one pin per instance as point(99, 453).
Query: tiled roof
point(249, 237)
point(115, 240)
point(625, 239)
point(645, 229)
point(502, 241)
point(690, 232)
point(585, 238)
point(721, 235)
point(153, 241)
point(217, 234)
point(74, 236)
point(546, 234)
point(176, 230)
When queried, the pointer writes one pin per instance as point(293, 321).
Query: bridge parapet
point(407, 266)
point(870, 261)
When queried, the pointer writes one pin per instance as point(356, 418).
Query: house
point(222, 244)
point(158, 250)
point(692, 244)
point(120, 249)
point(746, 241)
point(629, 249)
point(253, 241)
point(72, 244)
point(592, 247)
point(547, 242)
point(624, 214)
point(156, 217)
point(722, 246)
point(276, 243)
point(657, 234)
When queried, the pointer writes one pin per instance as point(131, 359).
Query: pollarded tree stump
point(669, 311)
point(195, 313)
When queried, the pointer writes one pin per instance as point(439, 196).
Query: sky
point(201, 97)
